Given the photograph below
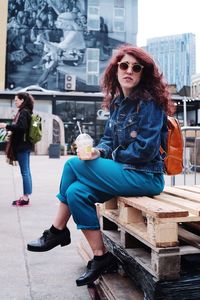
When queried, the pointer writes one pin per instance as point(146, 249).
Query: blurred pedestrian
point(19, 147)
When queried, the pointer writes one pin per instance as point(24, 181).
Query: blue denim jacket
point(133, 136)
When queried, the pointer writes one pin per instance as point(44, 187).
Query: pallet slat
point(193, 196)
point(116, 287)
point(154, 207)
point(194, 189)
point(189, 237)
point(189, 205)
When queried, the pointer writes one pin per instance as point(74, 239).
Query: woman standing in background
point(19, 147)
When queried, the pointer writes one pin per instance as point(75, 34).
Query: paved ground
point(26, 275)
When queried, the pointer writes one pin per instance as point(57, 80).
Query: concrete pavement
point(27, 275)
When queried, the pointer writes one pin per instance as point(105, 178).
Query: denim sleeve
point(106, 142)
point(145, 146)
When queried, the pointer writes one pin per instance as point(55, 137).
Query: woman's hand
point(90, 156)
point(3, 125)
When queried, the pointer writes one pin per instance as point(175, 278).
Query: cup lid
point(83, 137)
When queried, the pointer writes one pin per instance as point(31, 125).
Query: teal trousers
point(85, 183)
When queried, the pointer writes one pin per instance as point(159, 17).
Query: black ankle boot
point(95, 268)
point(50, 240)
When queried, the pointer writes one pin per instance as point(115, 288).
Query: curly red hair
point(152, 83)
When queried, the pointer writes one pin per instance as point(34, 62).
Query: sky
point(158, 18)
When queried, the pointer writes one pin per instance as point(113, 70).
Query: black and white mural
point(64, 44)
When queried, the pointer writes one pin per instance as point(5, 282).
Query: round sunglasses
point(124, 65)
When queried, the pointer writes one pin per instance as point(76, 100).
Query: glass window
point(93, 66)
point(118, 20)
point(85, 111)
point(65, 110)
point(92, 74)
point(93, 54)
point(119, 3)
point(93, 18)
point(92, 79)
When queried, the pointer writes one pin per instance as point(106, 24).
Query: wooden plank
point(191, 133)
point(189, 218)
point(189, 237)
point(117, 287)
point(188, 249)
point(154, 207)
point(114, 214)
point(194, 189)
point(189, 205)
point(184, 194)
point(193, 225)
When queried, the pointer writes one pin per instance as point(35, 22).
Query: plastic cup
point(84, 144)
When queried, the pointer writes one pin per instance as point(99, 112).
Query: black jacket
point(20, 131)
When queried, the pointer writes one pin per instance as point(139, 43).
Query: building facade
point(176, 56)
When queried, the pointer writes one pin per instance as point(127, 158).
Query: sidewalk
point(27, 275)
point(51, 275)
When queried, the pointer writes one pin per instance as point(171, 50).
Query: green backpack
point(35, 130)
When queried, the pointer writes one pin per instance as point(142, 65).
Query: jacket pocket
point(127, 132)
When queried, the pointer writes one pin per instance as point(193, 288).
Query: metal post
point(184, 111)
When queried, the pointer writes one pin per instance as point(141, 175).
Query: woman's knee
point(79, 196)
point(25, 172)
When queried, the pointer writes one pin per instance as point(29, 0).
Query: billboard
point(65, 44)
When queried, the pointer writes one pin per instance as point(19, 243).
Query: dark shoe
point(50, 240)
point(20, 202)
point(95, 268)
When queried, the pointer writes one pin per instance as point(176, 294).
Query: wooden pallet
point(110, 286)
point(137, 265)
point(149, 226)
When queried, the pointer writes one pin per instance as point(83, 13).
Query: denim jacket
point(133, 135)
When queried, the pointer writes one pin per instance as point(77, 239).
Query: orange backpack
point(173, 156)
